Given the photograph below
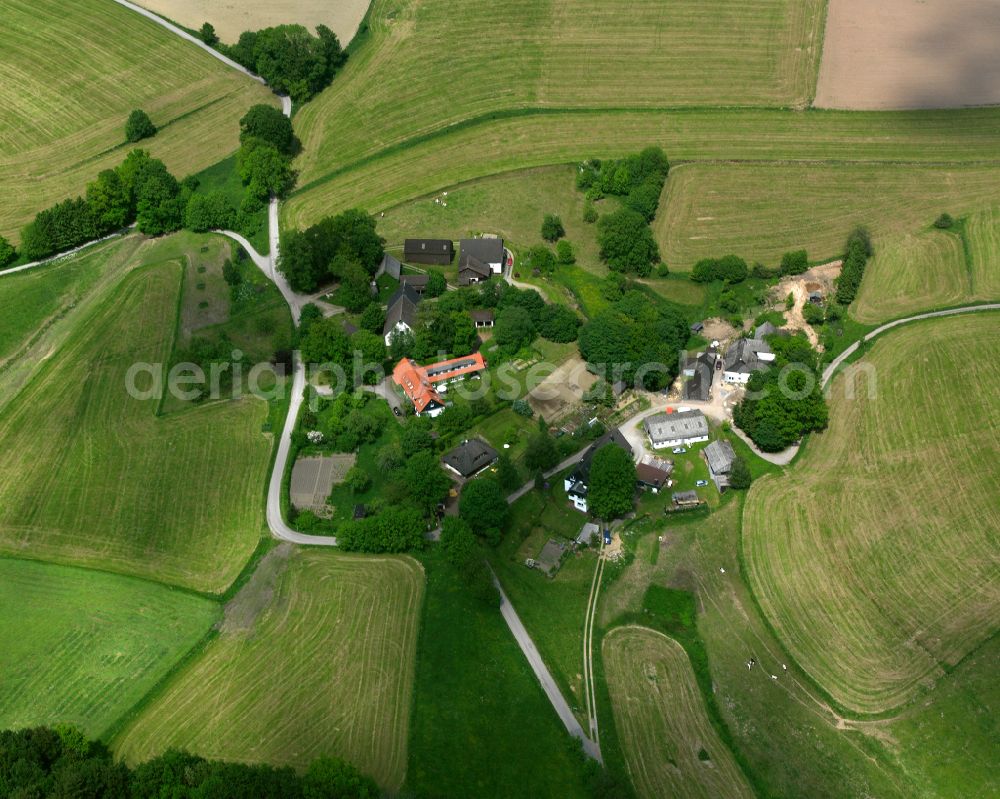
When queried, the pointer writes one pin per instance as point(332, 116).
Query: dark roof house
point(698, 386)
point(483, 318)
point(417, 282)
point(401, 313)
point(472, 270)
point(428, 251)
point(470, 457)
point(649, 476)
point(488, 251)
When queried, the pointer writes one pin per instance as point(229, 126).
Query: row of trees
point(342, 247)
point(288, 57)
point(635, 340)
point(856, 254)
point(62, 762)
point(729, 269)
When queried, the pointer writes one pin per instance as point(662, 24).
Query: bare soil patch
point(232, 17)
point(910, 54)
point(819, 278)
point(561, 390)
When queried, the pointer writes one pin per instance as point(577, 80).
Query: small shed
point(685, 499)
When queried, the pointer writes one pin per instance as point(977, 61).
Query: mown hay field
point(74, 71)
point(982, 230)
point(427, 66)
point(93, 477)
point(422, 166)
point(875, 558)
point(326, 668)
point(913, 273)
point(231, 18)
point(82, 647)
point(670, 747)
point(760, 211)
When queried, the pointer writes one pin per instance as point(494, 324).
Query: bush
point(7, 252)
point(139, 126)
point(552, 228)
point(589, 213)
point(541, 258)
point(483, 506)
point(558, 323)
point(233, 277)
point(564, 253)
point(522, 408)
point(739, 475)
point(662, 270)
point(211, 211)
point(436, 283)
point(208, 35)
point(729, 268)
point(813, 314)
point(794, 263)
point(944, 222)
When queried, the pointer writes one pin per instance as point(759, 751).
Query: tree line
point(856, 254)
point(61, 763)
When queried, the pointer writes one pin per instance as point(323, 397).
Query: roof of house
point(482, 315)
point(671, 426)
point(647, 474)
point(402, 308)
point(468, 262)
point(487, 251)
point(720, 456)
point(454, 367)
point(698, 386)
point(421, 246)
point(417, 281)
point(390, 266)
point(697, 327)
point(413, 380)
point(766, 329)
point(685, 496)
point(470, 457)
point(613, 436)
point(741, 357)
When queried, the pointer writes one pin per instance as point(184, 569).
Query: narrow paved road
point(544, 675)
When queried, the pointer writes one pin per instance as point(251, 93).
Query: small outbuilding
point(483, 318)
point(719, 456)
point(685, 499)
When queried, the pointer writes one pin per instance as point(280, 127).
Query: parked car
point(607, 537)
point(679, 450)
point(702, 483)
point(396, 411)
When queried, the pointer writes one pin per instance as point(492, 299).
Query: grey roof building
point(417, 282)
point(428, 251)
point(485, 250)
point(698, 386)
point(471, 269)
point(676, 429)
point(720, 456)
point(470, 457)
point(766, 329)
point(401, 313)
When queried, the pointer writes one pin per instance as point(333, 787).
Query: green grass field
point(68, 91)
point(577, 54)
point(874, 558)
point(913, 273)
point(315, 657)
point(94, 477)
point(82, 647)
point(481, 725)
point(485, 147)
point(669, 744)
point(982, 230)
point(760, 211)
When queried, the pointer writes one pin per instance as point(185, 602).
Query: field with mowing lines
point(73, 72)
point(982, 231)
point(875, 558)
point(670, 747)
point(231, 19)
point(488, 146)
point(94, 477)
point(911, 274)
point(760, 211)
point(573, 54)
point(326, 668)
point(83, 647)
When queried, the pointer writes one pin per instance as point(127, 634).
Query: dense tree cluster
point(484, 508)
point(394, 529)
point(856, 255)
point(635, 340)
point(540, 258)
point(795, 262)
point(627, 243)
point(139, 126)
point(739, 475)
point(558, 323)
point(61, 762)
point(139, 190)
point(463, 553)
point(638, 178)
point(729, 268)
point(784, 402)
point(211, 211)
point(290, 59)
point(326, 342)
point(611, 486)
point(321, 253)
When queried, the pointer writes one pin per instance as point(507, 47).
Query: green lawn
point(481, 725)
point(82, 647)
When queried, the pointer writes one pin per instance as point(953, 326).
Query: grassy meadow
point(424, 165)
point(874, 558)
point(669, 744)
point(759, 211)
point(68, 92)
point(82, 647)
point(97, 478)
point(982, 231)
point(314, 657)
point(576, 54)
